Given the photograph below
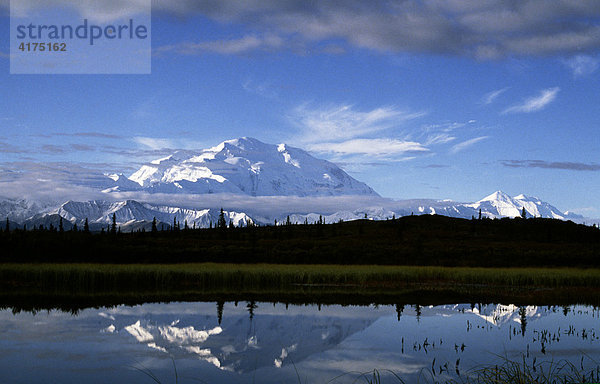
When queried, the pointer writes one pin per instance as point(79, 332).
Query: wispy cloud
point(466, 144)
point(490, 97)
point(10, 148)
point(374, 147)
point(583, 65)
point(154, 143)
point(344, 122)
point(264, 89)
point(159, 145)
point(98, 135)
point(564, 165)
point(51, 148)
point(344, 130)
point(242, 45)
point(535, 103)
point(439, 138)
point(83, 147)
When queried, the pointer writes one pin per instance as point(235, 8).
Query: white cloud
point(583, 65)
point(489, 98)
point(154, 143)
point(343, 122)
point(374, 147)
point(343, 130)
point(535, 103)
point(466, 144)
point(102, 11)
point(243, 45)
point(157, 144)
point(264, 89)
point(439, 138)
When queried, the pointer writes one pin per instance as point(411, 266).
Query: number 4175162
point(42, 47)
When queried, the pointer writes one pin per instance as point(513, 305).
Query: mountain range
point(247, 167)
point(133, 215)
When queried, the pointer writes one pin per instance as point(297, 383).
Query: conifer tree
point(185, 225)
point(220, 306)
point(287, 221)
point(86, 226)
point(154, 229)
point(60, 225)
point(523, 213)
point(7, 227)
point(74, 229)
point(221, 223)
point(479, 213)
point(113, 229)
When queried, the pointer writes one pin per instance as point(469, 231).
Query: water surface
point(250, 342)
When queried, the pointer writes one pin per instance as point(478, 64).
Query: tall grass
point(257, 276)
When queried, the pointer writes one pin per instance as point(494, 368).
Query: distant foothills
point(243, 169)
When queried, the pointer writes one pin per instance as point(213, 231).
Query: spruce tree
point(154, 229)
point(523, 213)
point(60, 225)
point(287, 221)
point(222, 223)
point(479, 213)
point(113, 229)
point(86, 226)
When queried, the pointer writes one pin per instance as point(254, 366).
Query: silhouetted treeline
point(411, 240)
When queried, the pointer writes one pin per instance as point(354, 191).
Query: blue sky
point(419, 99)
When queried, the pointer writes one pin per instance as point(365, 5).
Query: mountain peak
point(247, 166)
point(497, 196)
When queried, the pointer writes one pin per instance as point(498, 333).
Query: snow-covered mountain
point(132, 214)
point(499, 204)
point(496, 205)
point(131, 211)
point(243, 166)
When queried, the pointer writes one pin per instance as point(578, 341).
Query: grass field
point(81, 285)
point(251, 276)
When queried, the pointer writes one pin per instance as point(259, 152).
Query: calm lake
point(250, 342)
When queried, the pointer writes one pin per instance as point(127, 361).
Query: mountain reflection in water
point(227, 342)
